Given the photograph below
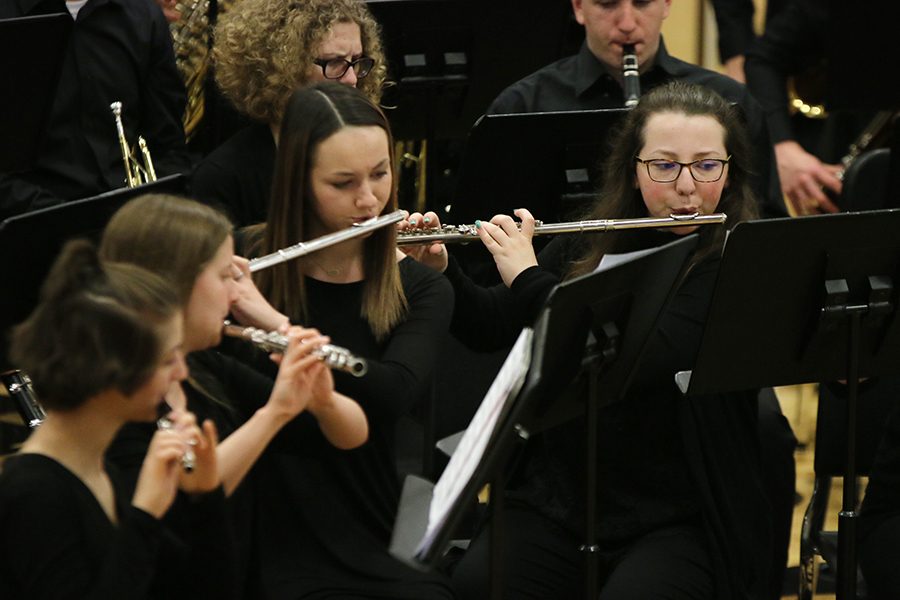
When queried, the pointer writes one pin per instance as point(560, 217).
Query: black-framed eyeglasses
point(335, 68)
point(704, 170)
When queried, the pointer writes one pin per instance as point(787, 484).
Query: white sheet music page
point(469, 452)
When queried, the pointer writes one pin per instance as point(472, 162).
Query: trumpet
point(337, 358)
point(467, 233)
point(136, 172)
point(303, 248)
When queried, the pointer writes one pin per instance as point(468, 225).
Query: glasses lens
point(335, 68)
point(663, 171)
point(363, 66)
point(707, 170)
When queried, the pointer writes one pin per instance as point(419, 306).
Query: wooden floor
point(799, 405)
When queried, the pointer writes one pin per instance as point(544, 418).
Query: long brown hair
point(619, 196)
point(313, 114)
point(171, 236)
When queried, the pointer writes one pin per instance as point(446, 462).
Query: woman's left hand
point(509, 244)
point(251, 308)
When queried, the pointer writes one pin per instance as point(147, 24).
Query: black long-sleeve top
point(663, 458)
point(328, 514)
point(236, 177)
point(118, 50)
point(581, 82)
point(57, 541)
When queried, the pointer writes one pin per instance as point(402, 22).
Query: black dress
point(228, 392)
point(666, 463)
point(327, 515)
point(57, 541)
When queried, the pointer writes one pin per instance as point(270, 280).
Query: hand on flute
point(431, 255)
point(509, 243)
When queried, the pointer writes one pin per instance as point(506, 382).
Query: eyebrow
point(381, 163)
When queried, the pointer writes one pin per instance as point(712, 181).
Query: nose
point(349, 78)
point(626, 21)
point(366, 196)
point(180, 372)
point(685, 183)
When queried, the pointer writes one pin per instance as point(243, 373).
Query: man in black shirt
point(118, 50)
point(592, 78)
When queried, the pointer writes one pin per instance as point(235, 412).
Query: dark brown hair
point(96, 327)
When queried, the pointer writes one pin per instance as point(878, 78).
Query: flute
point(467, 233)
point(304, 248)
point(164, 423)
point(631, 77)
point(337, 358)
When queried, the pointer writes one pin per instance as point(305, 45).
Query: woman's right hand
point(303, 378)
point(431, 255)
point(157, 482)
point(509, 244)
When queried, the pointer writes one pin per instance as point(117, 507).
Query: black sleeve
point(19, 196)
point(43, 537)
point(793, 42)
point(734, 19)
point(487, 319)
point(408, 361)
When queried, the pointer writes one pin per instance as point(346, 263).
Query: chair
point(866, 181)
point(876, 400)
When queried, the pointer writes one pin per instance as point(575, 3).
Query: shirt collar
point(589, 70)
point(27, 7)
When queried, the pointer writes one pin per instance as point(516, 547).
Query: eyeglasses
point(704, 170)
point(335, 68)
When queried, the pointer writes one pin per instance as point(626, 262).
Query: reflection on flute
point(304, 248)
point(467, 233)
point(337, 358)
point(164, 423)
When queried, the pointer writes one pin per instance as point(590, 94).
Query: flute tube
point(467, 233)
point(188, 459)
point(337, 358)
point(303, 248)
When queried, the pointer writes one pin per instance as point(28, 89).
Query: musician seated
point(118, 51)
point(264, 50)
point(681, 511)
point(103, 347)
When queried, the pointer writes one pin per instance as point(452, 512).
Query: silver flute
point(303, 248)
point(188, 459)
point(630, 76)
point(337, 358)
point(467, 233)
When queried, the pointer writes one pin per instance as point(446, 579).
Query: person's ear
point(577, 8)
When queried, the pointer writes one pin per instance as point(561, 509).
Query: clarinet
point(631, 77)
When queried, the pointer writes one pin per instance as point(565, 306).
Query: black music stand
point(31, 57)
point(547, 162)
point(33, 240)
point(598, 325)
point(448, 59)
point(803, 300)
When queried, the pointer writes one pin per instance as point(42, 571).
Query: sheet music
point(469, 452)
point(611, 260)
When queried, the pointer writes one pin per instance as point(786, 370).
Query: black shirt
point(118, 50)
point(581, 82)
point(236, 177)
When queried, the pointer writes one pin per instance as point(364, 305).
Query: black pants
point(879, 560)
point(542, 561)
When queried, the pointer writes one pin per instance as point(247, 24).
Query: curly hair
point(262, 49)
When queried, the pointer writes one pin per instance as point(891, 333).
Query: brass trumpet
point(136, 172)
point(337, 358)
point(466, 233)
